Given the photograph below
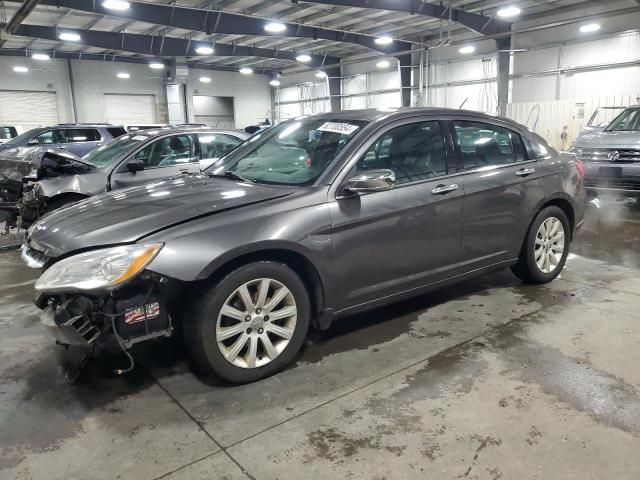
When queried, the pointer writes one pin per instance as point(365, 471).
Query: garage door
point(130, 109)
point(27, 110)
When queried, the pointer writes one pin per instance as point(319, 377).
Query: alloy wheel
point(256, 323)
point(550, 242)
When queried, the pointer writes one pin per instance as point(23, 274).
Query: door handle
point(442, 189)
point(523, 172)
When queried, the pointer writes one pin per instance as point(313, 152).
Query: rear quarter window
point(116, 131)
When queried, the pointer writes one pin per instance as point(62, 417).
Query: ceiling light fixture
point(274, 83)
point(590, 28)
point(509, 12)
point(115, 4)
point(69, 37)
point(275, 27)
point(123, 75)
point(246, 71)
point(303, 58)
point(20, 69)
point(321, 74)
point(205, 79)
point(40, 56)
point(383, 64)
point(467, 49)
point(204, 50)
point(384, 40)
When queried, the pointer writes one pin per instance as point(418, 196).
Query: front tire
point(250, 324)
point(546, 246)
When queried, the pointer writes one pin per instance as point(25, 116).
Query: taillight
point(580, 168)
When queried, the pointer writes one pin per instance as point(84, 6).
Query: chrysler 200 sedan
point(313, 219)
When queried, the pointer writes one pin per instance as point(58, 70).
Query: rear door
point(162, 158)
point(391, 241)
point(502, 190)
point(80, 141)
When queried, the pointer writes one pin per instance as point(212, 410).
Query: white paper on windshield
point(338, 127)
point(139, 137)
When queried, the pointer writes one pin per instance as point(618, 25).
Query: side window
point(116, 131)
point(414, 152)
point(216, 145)
point(484, 145)
point(49, 137)
point(75, 135)
point(173, 150)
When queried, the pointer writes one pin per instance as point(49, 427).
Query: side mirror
point(372, 181)
point(135, 166)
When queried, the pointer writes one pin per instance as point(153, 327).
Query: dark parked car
point(7, 133)
point(77, 138)
point(44, 180)
point(612, 156)
point(311, 220)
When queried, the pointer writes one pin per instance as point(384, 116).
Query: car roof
point(160, 131)
point(373, 114)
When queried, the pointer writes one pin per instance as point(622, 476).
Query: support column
point(404, 66)
point(335, 88)
point(504, 63)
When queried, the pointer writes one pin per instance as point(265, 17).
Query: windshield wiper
point(231, 175)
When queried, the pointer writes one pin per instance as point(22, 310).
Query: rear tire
point(545, 249)
point(238, 329)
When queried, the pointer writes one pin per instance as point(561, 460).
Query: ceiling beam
point(220, 22)
point(158, 46)
point(476, 22)
point(23, 12)
point(14, 52)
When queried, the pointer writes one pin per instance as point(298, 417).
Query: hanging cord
point(119, 339)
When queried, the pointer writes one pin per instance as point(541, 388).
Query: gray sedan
point(311, 220)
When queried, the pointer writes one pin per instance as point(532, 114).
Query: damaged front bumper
point(136, 313)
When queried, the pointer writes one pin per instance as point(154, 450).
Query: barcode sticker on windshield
point(336, 127)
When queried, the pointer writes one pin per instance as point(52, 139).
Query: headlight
point(97, 270)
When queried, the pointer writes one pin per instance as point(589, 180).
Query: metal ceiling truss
point(219, 22)
point(108, 57)
point(476, 22)
point(162, 46)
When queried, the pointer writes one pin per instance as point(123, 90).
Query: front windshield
point(627, 121)
point(21, 138)
point(295, 152)
point(109, 152)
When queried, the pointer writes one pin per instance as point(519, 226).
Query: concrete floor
point(489, 379)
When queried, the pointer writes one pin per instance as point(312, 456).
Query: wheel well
point(296, 261)
point(64, 197)
point(567, 208)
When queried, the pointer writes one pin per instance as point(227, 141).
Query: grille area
point(605, 155)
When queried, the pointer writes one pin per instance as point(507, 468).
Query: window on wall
point(414, 152)
point(484, 145)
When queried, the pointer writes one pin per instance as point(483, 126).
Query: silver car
point(612, 156)
point(132, 159)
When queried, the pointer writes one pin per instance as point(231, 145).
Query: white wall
point(48, 76)
point(92, 79)
point(252, 93)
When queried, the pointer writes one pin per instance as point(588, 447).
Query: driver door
point(165, 157)
point(392, 241)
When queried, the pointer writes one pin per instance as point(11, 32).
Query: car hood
point(609, 140)
point(126, 215)
point(19, 162)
